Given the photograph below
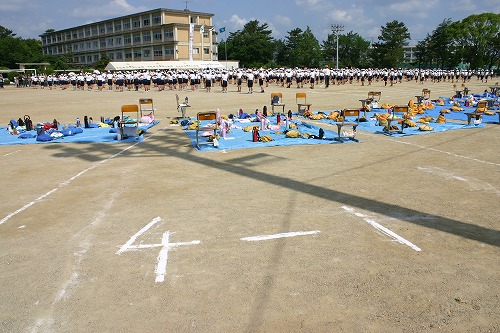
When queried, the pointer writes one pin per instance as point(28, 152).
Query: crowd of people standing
point(244, 79)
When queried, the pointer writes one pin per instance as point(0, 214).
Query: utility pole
point(337, 29)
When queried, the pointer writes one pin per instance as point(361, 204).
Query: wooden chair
point(146, 106)
point(399, 113)
point(129, 121)
point(280, 101)
point(426, 95)
point(181, 107)
point(204, 127)
point(478, 112)
point(301, 100)
point(350, 118)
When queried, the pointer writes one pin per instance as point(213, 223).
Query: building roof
point(129, 15)
point(154, 65)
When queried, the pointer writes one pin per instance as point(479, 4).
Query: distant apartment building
point(155, 35)
point(409, 54)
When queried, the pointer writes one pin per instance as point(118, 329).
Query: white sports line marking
point(282, 235)
point(67, 182)
point(11, 153)
point(383, 229)
point(161, 266)
point(446, 152)
point(132, 239)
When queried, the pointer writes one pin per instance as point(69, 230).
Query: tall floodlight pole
point(337, 29)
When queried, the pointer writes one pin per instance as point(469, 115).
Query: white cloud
point(283, 20)
point(237, 22)
point(113, 8)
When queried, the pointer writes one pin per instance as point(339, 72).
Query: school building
point(154, 35)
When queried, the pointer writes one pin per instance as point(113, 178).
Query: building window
point(145, 21)
point(68, 36)
point(82, 46)
point(169, 50)
point(128, 55)
point(158, 52)
point(109, 41)
point(194, 20)
point(59, 38)
point(111, 56)
point(196, 50)
point(109, 27)
point(80, 33)
point(126, 24)
point(147, 53)
point(88, 46)
point(94, 30)
point(89, 58)
point(206, 50)
point(169, 34)
point(205, 35)
point(103, 43)
point(119, 55)
point(146, 37)
point(118, 41)
point(137, 54)
point(95, 44)
point(157, 35)
point(102, 29)
point(137, 39)
point(82, 59)
point(127, 40)
point(157, 18)
point(136, 22)
point(87, 32)
point(118, 26)
point(96, 57)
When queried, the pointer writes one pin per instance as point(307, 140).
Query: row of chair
point(131, 115)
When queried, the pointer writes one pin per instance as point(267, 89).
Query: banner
point(191, 32)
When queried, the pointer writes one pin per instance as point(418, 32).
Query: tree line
point(474, 40)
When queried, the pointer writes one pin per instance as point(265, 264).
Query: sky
point(30, 18)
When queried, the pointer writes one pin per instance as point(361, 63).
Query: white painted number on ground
point(165, 245)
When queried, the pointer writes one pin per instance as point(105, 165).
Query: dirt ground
point(389, 235)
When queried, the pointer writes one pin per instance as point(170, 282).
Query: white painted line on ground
point(161, 267)
point(446, 152)
point(282, 235)
point(381, 228)
point(132, 239)
point(11, 153)
point(43, 196)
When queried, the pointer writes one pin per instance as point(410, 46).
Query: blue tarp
point(237, 138)
point(98, 134)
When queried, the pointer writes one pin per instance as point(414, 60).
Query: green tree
point(14, 50)
point(353, 50)
point(388, 52)
point(477, 37)
point(253, 46)
point(102, 62)
point(300, 49)
point(4, 32)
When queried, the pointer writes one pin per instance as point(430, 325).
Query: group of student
point(207, 79)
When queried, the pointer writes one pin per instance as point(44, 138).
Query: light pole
point(337, 29)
